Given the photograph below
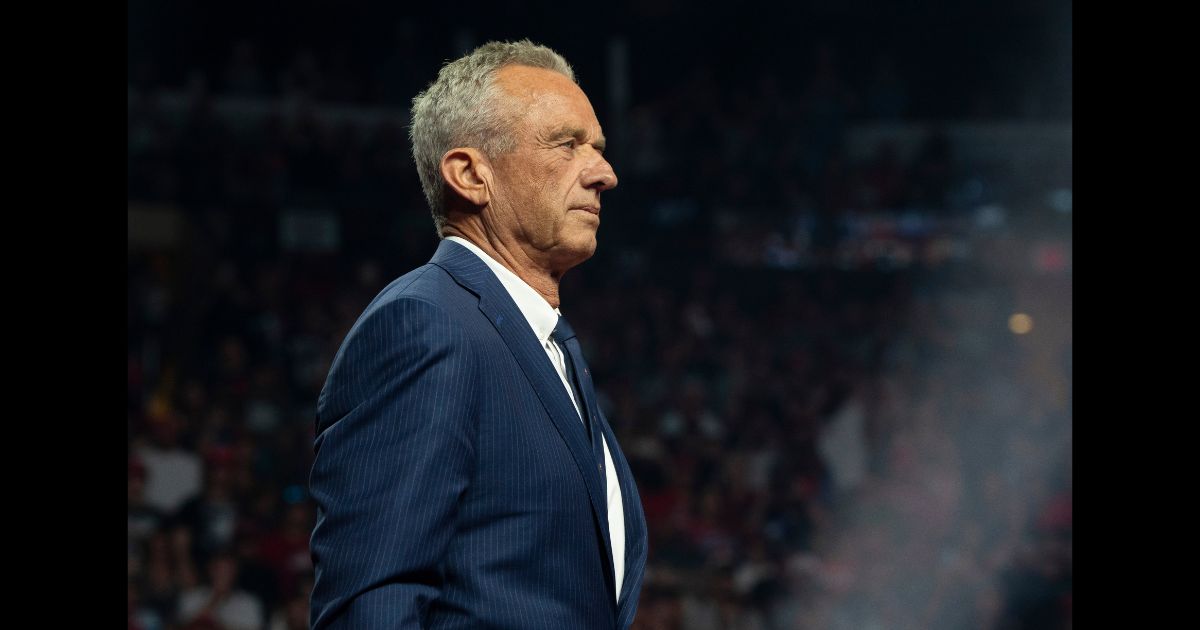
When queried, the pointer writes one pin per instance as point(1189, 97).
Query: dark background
point(800, 316)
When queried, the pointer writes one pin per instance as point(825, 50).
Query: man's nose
point(599, 175)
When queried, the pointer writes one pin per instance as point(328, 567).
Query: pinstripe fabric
point(452, 490)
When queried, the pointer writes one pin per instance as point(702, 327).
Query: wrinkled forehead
point(540, 93)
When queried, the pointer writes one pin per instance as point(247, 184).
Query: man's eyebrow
point(568, 131)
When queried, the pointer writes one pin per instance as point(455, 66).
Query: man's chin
point(574, 250)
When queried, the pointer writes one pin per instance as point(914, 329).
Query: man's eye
point(568, 143)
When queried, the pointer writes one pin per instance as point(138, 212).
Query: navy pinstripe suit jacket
point(454, 482)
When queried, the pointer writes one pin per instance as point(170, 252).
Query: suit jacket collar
point(541, 316)
point(497, 305)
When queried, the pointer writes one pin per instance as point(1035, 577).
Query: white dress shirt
point(542, 319)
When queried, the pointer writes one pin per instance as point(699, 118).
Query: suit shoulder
point(427, 283)
point(413, 321)
point(427, 292)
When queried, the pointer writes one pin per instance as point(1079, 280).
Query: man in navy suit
point(464, 475)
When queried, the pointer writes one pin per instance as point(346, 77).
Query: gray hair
point(461, 108)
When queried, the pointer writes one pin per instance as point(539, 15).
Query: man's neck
point(515, 259)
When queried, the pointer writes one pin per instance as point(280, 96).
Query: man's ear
point(466, 171)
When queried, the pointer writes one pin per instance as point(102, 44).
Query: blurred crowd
point(819, 441)
point(925, 60)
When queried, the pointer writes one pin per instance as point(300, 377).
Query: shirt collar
point(537, 311)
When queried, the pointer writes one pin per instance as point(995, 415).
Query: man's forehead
point(536, 83)
point(549, 100)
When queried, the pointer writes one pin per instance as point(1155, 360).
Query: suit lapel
point(510, 323)
point(635, 523)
